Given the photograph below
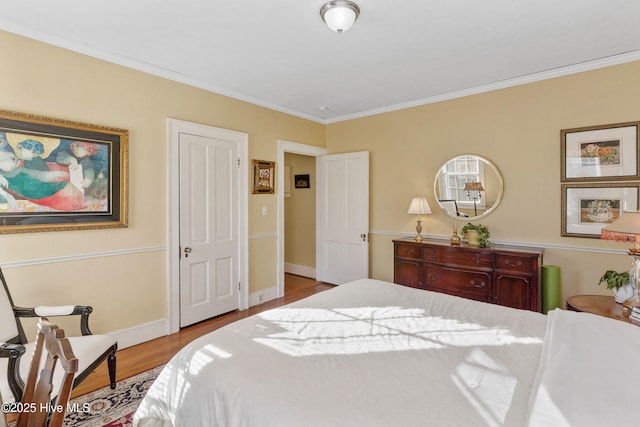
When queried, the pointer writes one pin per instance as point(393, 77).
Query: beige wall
point(300, 214)
point(122, 272)
point(129, 286)
point(518, 129)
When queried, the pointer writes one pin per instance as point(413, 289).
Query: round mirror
point(468, 187)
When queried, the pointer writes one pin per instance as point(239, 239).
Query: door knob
point(187, 251)
point(363, 237)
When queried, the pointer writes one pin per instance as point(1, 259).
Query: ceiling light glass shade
point(339, 15)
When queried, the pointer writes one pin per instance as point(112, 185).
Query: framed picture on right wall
point(587, 208)
point(600, 153)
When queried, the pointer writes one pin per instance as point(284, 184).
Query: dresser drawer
point(407, 272)
point(515, 263)
point(451, 256)
point(458, 281)
point(408, 251)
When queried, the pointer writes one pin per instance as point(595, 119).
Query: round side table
point(599, 304)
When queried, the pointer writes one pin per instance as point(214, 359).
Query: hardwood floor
point(142, 357)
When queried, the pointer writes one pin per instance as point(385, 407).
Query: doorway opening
point(301, 159)
point(299, 221)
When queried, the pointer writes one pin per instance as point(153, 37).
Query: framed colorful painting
point(61, 175)
point(600, 153)
point(586, 208)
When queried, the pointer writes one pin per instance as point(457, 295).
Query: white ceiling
point(280, 54)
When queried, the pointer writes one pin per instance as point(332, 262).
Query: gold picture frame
point(58, 175)
point(263, 177)
point(587, 208)
point(600, 153)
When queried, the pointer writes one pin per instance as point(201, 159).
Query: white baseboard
point(264, 295)
point(141, 333)
point(160, 328)
point(300, 270)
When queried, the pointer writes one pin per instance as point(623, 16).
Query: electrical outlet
point(260, 297)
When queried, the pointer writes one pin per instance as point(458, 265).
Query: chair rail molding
point(79, 257)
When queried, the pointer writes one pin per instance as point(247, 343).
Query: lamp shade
point(473, 186)
point(624, 229)
point(419, 206)
point(339, 15)
point(627, 229)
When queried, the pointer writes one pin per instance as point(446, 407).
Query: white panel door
point(208, 232)
point(343, 217)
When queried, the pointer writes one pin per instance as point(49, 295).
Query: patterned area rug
point(111, 408)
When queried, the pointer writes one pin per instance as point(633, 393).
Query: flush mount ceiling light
point(339, 15)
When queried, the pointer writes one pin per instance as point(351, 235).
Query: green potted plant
point(619, 283)
point(477, 234)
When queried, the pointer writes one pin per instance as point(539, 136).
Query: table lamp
point(419, 206)
point(627, 229)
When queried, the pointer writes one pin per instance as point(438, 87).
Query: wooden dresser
point(501, 274)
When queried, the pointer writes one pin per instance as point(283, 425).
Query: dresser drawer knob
point(517, 264)
point(478, 285)
point(434, 277)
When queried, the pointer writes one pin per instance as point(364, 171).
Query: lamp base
point(627, 305)
point(634, 301)
point(418, 231)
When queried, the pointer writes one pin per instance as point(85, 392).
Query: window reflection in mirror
point(468, 187)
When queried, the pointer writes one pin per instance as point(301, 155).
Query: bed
point(372, 353)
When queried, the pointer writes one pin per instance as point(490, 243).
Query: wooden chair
point(91, 350)
point(40, 407)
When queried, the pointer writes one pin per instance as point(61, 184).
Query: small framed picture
point(263, 177)
point(600, 153)
point(586, 208)
point(302, 181)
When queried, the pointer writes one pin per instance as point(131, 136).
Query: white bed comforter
point(588, 373)
point(367, 353)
